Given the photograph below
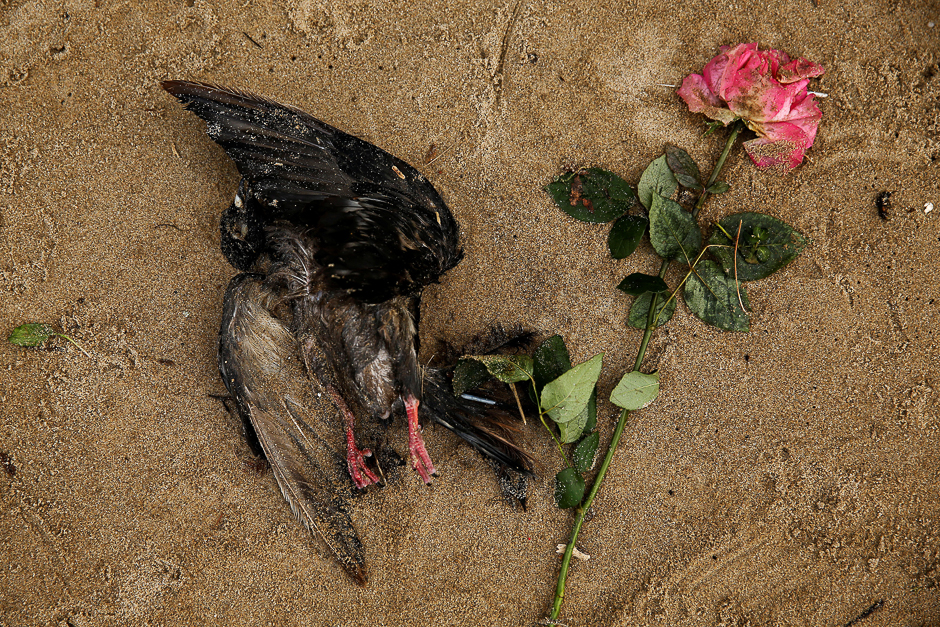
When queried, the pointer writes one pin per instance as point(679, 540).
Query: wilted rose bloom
point(767, 90)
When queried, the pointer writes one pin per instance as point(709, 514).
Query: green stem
point(547, 428)
point(618, 430)
point(65, 337)
point(736, 129)
point(557, 443)
point(582, 511)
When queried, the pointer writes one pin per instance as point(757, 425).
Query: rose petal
point(701, 99)
point(782, 143)
point(778, 155)
point(799, 69)
point(741, 72)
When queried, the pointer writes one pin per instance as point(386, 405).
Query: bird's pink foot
point(355, 460)
point(420, 460)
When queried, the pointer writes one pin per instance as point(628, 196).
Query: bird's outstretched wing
point(381, 227)
point(263, 369)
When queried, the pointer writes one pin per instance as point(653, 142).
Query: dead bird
point(337, 239)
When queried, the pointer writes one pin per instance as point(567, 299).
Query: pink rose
point(767, 90)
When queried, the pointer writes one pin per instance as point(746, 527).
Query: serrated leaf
point(640, 310)
point(765, 245)
point(635, 390)
point(551, 361)
point(718, 187)
point(625, 235)
point(570, 431)
point(639, 283)
point(569, 488)
point(593, 195)
point(585, 452)
point(673, 231)
point(506, 368)
point(566, 397)
point(469, 374)
point(713, 297)
point(683, 167)
point(31, 334)
point(656, 179)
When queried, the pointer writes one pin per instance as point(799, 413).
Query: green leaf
point(640, 310)
point(718, 187)
point(592, 412)
point(31, 334)
point(569, 488)
point(625, 235)
point(765, 245)
point(584, 423)
point(551, 361)
point(506, 368)
point(585, 452)
point(683, 167)
point(656, 179)
point(639, 283)
point(570, 431)
point(673, 231)
point(636, 390)
point(713, 297)
point(592, 195)
point(566, 397)
point(468, 375)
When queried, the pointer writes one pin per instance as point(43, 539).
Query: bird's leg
point(355, 457)
point(420, 460)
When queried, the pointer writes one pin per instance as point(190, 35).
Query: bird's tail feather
point(487, 425)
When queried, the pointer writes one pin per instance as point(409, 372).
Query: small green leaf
point(506, 368)
point(585, 452)
point(551, 361)
point(625, 235)
point(31, 334)
point(570, 431)
point(682, 165)
point(718, 187)
point(636, 390)
point(566, 397)
point(468, 375)
point(639, 283)
point(656, 179)
point(673, 231)
point(712, 127)
point(765, 245)
point(592, 195)
point(713, 297)
point(640, 310)
point(569, 488)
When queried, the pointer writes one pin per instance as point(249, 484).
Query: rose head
point(767, 90)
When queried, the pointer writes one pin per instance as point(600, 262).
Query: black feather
point(380, 227)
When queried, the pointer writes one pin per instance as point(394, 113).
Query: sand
point(787, 476)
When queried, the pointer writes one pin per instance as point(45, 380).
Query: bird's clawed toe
point(358, 470)
point(420, 460)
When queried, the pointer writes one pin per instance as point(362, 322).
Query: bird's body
point(341, 238)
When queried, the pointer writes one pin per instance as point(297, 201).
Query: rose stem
point(582, 510)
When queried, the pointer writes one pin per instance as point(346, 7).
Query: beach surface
point(785, 476)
